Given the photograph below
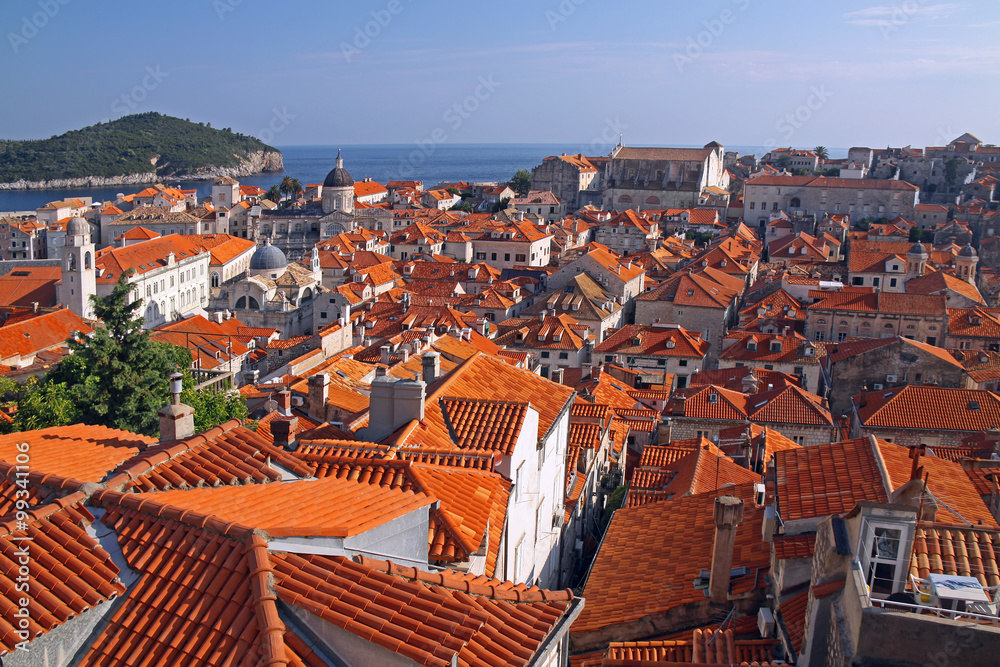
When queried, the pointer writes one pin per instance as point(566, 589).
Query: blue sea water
point(431, 163)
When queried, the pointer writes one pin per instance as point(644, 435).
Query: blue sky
point(743, 72)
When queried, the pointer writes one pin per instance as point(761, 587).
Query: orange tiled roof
point(327, 507)
point(23, 286)
point(86, 453)
point(40, 333)
point(69, 572)
point(956, 550)
point(436, 620)
point(930, 408)
point(823, 480)
point(651, 555)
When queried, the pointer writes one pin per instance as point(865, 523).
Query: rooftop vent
point(973, 405)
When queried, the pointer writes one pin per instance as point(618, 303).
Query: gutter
point(559, 633)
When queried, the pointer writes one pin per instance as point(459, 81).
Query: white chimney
point(431, 363)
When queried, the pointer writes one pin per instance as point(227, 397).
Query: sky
point(660, 72)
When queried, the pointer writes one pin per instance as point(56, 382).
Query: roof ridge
point(156, 509)
point(264, 601)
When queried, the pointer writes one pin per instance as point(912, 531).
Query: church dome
point(967, 251)
point(268, 258)
point(917, 249)
point(77, 227)
point(338, 178)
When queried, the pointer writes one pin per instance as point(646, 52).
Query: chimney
point(393, 403)
point(283, 432)
point(385, 351)
point(431, 362)
point(217, 317)
point(404, 353)
point(557, 375)
point(176, 419)
point(319, 387)
point(728, 513)
point(285, 403)
point(345, 313)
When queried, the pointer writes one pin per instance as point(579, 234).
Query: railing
point(864, 593)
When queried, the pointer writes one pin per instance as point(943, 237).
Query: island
point(141, 148)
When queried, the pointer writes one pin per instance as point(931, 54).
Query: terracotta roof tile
point(84, 452)
point(431, 619)
point(651, 555)
point(930, 408)
point(70, 572)
point(327, 507)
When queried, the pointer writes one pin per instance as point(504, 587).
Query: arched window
point(306, 295)
point(254, 305)
point(71, 262)
point(624, 199)
point(152, 312)
point(655, 201)
point(795, 203)
point(241, 303)
point(215, 279)
point(86, 260)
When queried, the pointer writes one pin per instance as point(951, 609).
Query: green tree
point(119, 375)
point(521, 182)
point(951, 171)
point(213, 408)
point(501, 205)
point(274, 194)
point(286, 186)
point(296, 188)
point(822, 152)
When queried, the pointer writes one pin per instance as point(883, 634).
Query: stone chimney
point(319, 388)
point(393, 404)
point(176, 419)
point(728, 513)
point(557, 375)
point(283, 432)
point(384, 353)
point(431, 362)
point(285, 403)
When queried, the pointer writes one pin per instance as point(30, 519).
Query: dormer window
point(751, 346)
point(713, 398)
point(775, 346)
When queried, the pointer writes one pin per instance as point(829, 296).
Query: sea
point(427, 162)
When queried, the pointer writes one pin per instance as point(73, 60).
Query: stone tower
point(338, 189)
point(965, 264)
point(916, 261)
point(79, 275)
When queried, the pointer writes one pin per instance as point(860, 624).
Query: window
point(506, 257)
point(892, 282)
point(609, 357)
point(875, 282)
point(882, 556)
point(480, 255)
point(564, 355)
point(520, 257)
point(545, 355)
point(858, 280)
point(682, 363)
point(493, 256)
point(519, 479)
point(753, 205)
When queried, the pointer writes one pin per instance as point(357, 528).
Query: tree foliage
point(822, 152)
point(119, 377)
point(136, 144)
point(214, 408)
point(521, 182)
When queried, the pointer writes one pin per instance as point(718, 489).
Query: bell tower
point(79, 274)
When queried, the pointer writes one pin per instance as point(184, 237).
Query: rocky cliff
point(254, 163)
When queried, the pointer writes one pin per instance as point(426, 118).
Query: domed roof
point(338, 178)
point(967, 251)
point(77, 227)
point(917, 249)
point(268, 258)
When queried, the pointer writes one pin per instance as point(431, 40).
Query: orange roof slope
point(70, 572)
point(26, 285)
point(484, 424)
point(932, 408)
point(652, 554)
point(80, 451)
point(202, 598)
point(40, 333)
point(956, 550)
point(328, 507)
point(437, 620)
point(823, 480)
point(227, 454)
